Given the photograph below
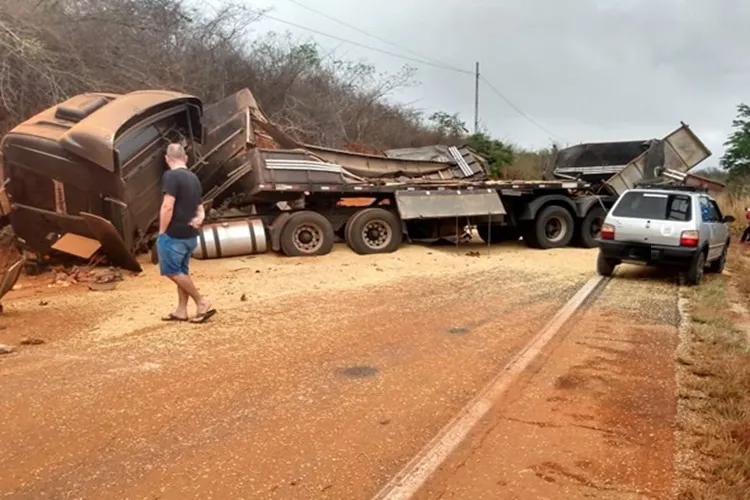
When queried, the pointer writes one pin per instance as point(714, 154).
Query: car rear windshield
point(657, 206)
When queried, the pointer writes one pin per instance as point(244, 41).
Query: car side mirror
point(729, 218)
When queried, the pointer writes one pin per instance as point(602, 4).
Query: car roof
point(666, 191)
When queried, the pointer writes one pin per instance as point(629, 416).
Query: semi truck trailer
point(90, 167)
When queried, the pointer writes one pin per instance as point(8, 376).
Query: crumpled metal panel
point(680, 151)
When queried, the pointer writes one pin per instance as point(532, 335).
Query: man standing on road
point(180, 217)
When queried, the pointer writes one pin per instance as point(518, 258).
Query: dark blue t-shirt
point(186, 189)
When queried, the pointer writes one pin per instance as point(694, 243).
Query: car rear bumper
point(625, 251)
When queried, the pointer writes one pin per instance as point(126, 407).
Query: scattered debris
point(458, 330)
point(103, 287)
point(7, 349)
point(473, 253)
point(43, 302)
point(99, 279)
point(31, 341)
point(243, 298)
point(359, 371)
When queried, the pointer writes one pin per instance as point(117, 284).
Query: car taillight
point(607, 232)
point(689, 238)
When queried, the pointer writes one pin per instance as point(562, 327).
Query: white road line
point(414, 475)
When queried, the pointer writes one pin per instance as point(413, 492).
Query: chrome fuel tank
point(231, 238)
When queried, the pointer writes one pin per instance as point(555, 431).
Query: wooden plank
point(77, 245)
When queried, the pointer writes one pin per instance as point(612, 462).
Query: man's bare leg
point(184, 282)
point(182, 303)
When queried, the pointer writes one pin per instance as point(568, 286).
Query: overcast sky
point(585, 70)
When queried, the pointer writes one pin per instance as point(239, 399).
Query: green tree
point(736, 159)
point(498, 153)
point(447, 124)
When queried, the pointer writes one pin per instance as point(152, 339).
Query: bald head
point(176, 156)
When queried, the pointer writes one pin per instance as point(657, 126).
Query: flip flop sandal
point(200, 318)
point(172, 317)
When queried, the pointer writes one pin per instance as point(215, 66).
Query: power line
point(425, 60)
point(376, 37)
point(370, 47)
point(519, 111)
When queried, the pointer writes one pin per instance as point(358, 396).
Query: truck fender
point(530, 210)
point(275, 230)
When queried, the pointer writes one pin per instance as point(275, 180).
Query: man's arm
point(200, 214)
point(166, 212)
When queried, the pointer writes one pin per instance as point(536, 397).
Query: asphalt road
point(594, 418)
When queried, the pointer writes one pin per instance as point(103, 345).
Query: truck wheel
point(497, 233)
point(552, 228)
point(590, 227)
point(697, 267)
point(604, 266)
point(719, 264)
point(306, 233)
point(374, 230)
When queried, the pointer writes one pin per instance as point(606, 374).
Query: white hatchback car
point(678, 227)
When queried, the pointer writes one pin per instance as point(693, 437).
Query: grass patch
point(715, 378)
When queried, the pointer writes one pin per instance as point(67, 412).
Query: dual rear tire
point(373, 230)
point(369, 231)
point(553, 227)
point(307, 233)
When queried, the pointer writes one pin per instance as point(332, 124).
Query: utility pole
point(476, 99)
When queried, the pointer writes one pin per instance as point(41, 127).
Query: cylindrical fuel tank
point(231, 238)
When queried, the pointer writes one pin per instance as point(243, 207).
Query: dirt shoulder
point(714, 378)
point(596, 417)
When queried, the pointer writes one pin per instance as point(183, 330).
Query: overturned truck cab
point(85, 175)
point(91, 166)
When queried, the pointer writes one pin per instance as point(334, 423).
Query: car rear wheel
point(604, 266)
point(697, 268)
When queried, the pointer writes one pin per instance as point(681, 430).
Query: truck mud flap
point(438, 204)
point(10, 277)
point(112, 244)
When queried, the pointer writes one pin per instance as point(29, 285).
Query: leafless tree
point(53, 49)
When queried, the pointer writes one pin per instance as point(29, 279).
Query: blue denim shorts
point(174, 254)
